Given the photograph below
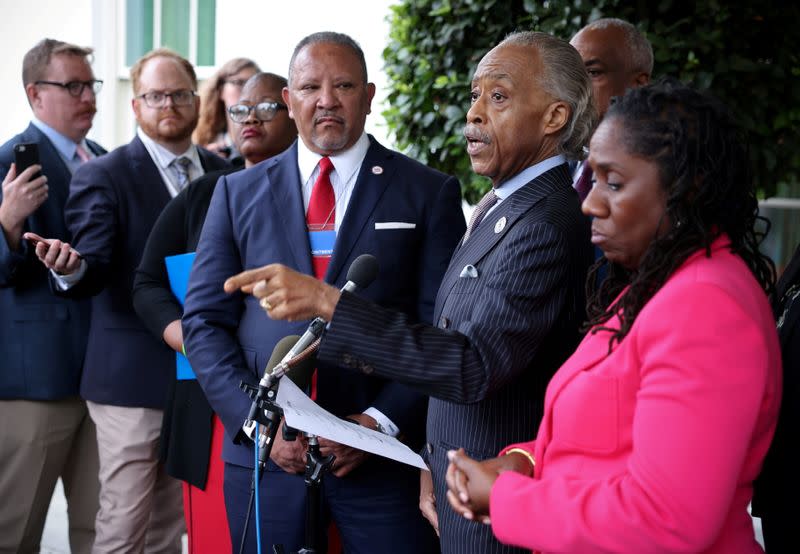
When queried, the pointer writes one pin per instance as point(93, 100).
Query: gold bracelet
point(524, 453)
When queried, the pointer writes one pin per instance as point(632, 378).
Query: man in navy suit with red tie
point(332, 196)
point(511, 301)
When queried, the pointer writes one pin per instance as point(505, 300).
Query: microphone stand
point(267, 413)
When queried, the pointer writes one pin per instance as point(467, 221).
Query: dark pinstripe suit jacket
point(499, 338)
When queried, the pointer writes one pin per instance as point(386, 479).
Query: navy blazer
point(113, 203)
point(257, 217)
point(507, 315)
point(42, 338)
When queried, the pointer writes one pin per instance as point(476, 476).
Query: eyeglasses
point(75, 88)
point(158, 99)
point(265, 111)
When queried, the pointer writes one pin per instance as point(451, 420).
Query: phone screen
point(26, 154)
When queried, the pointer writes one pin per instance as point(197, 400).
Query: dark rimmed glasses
point(263, 111)
point(158, 99)
point(76, 88)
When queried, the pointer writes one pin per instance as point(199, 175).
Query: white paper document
point(302, 413)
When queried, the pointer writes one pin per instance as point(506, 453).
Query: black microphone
point(300, 371)
point(360, 275)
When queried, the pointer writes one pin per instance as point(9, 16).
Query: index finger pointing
point(248, 278)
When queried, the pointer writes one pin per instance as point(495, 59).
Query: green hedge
point(746, 55)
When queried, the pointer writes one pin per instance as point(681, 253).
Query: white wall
point(23, 24)
point(266, 31)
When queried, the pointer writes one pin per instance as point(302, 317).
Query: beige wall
point(100, 24)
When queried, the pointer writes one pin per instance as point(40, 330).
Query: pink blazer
point(654, 448)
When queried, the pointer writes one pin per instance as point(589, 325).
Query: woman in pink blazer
point(656, 427)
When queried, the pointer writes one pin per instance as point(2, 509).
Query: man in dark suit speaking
point(332, 196)
point(510, 303)
point(46, 431)
point(113, 203)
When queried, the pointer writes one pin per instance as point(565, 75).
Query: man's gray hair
point(329, 37)
point(639, 49)
point(564, 78)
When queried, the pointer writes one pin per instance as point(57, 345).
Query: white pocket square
point(394, 225)
point(469, 272)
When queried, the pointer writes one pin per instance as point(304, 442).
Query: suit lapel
point(146, 171)
point(367, 192)
point(488, 234)
point(283, 183)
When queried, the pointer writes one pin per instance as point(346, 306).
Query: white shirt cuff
point(66, 282)
point(385, 424)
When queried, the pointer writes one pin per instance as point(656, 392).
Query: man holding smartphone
point(112, 206)
point(45, 429)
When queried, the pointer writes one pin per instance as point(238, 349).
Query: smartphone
point(35, 239)
point(26, 154)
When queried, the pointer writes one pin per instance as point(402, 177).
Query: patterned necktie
point(81, 152)
point(321, 214)
point(181, 166)
point(486, 203)
point(584, 183)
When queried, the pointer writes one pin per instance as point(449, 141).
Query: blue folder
point(178, 269)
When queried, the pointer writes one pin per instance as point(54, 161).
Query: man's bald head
point(617, 56)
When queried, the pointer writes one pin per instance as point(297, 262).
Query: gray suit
point(503, 330)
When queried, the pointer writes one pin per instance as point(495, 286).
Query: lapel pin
point(377, 170)
point(500, 225)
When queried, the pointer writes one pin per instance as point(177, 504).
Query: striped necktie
point(181, 166)
point(483, 207)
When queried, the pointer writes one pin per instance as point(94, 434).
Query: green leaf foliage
point(747, 55)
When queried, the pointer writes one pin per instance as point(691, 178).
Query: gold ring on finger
point(265, 304)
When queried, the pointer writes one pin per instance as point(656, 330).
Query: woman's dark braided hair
point(704, 170)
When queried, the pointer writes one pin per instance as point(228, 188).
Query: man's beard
point(178, 131)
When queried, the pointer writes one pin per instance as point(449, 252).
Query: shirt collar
point(512, 185)
point(63, 145)
point(163, 157)
point(345, 163)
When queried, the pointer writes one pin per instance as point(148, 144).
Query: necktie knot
point(483, 207)
point(82, 154)
point(181, 165)
point(325, 167)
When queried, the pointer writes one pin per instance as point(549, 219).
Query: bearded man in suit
point(113, 203)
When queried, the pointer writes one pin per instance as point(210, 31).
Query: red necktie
point(321, 216)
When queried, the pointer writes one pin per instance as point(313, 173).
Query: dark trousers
point(375, 508)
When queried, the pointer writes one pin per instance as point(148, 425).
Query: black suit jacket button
point(367, 368)
point(444, 323)
point(347, 360)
